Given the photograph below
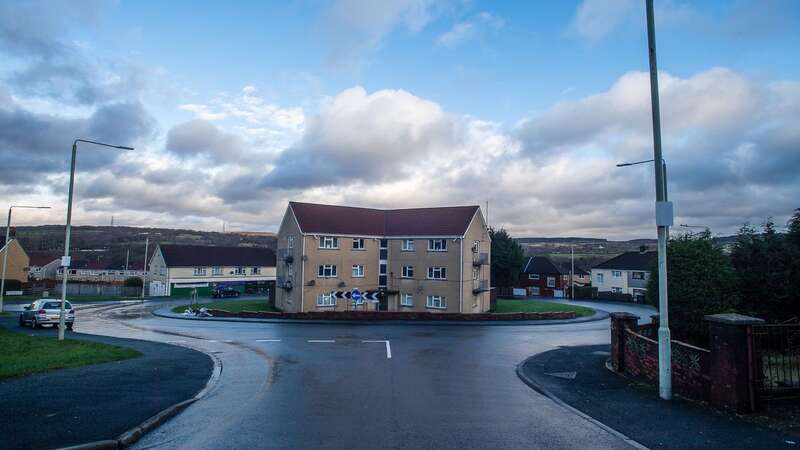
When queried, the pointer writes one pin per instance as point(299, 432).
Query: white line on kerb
point(321, 341)
point(388, 348)
point(268, 340)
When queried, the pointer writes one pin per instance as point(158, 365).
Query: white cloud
point(464, 31)
point(594, 19)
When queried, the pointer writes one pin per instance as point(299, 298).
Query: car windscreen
point(56, 305)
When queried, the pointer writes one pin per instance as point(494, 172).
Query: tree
point(701, 281)
point(506, 258)
point(133, 282)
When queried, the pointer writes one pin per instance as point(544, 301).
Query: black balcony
point(479, 286)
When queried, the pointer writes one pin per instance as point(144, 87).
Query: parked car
point(224, 292)
point(46, 312)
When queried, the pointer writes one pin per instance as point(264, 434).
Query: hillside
point(111, 244)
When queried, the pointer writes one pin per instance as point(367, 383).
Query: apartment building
point(420, 259)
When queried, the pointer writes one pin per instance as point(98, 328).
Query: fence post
point(619, 322)
point(733, 362)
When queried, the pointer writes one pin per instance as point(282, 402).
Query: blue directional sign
point(355, 294)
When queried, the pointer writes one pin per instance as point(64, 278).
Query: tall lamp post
point(5, 253)
point(144, 279)
point(65, 260)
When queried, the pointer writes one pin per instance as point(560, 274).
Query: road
point(344, 386)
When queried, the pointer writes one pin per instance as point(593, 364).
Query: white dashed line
point(321, 341)
point(388, 348)
point(268, 340)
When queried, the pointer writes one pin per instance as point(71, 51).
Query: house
point(178, 270)
point(97, 271)
point(17, 260)
point(624, 276)
point(539, 276)
point(43, 266)
point(419, 259)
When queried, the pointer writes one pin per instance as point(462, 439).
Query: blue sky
point(402, 103)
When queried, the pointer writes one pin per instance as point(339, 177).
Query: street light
point(65, 260)
point(663, 169)
point(5, 253)
point(144, 279)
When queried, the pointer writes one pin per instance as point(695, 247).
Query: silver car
point(46, 312)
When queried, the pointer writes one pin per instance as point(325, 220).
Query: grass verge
point(24, 355)
point(233, 306)
point(506, 305)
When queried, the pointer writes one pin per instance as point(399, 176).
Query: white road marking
point(177, 342)
point(321, 341)
point(224, 342)
point(388, 348)
point(268, 340)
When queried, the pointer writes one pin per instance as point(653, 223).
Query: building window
point(329, 242)
point(475, 273)
point(533, 276)
point(199, 271)
point(255, 271)
point(289, 241)
point(476, 247)
point(358, 244)
point(437, 302)
point(327, 270)
point(326, 300)
point(616, 290)
point(535, 290)
point(637, 275)
point(599, 277)
point(216, 271)
point(437, 273)
point(551, 282)
point(616, 273)
point(407, 300)
point(408, 272)
point(238, 271)
point(437, 245)
point(408, 245)
point(358, 271)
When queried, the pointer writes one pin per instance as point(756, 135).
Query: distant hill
point(111, 243)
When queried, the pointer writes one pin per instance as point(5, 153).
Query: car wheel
point(34, 325)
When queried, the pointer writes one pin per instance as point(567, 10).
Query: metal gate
point(778, 354)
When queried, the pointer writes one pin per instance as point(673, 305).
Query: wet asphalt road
point(323, 386)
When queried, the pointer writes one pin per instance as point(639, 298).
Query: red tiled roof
point(443, 221)
point(204, 255)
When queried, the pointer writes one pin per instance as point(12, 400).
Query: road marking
point(268, 340)
point(388, 348)
point(224, 342)
point(177, 342)
point(321, 341)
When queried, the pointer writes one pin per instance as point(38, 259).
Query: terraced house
point(420, 259)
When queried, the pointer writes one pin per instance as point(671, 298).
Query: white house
point(177, 270)
point(626, 274)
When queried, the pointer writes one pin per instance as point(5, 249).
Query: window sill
point(436, 279)
point(441, 308)
point(328, 248)
point(406, 306)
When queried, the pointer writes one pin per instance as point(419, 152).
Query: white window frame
point(533, 276)
point(407, 245)
point(476, 273)
point(551, 282)
point(215, 271)
point(329, 268)
point(616, 273)
point(599, 277)
point(436, 302)
point(326, 299)
point(359, 244)
point(535, 290)
point(634, 275)
point(255, 271)
point(199, 272)
point(407, 272)
point(329, 242)
point(289, 242)
point(476, 247)
point(239, 270)
point(616, 290)
point(358, 271)
point(437, 273)
point(437, 245)
point(407, 300)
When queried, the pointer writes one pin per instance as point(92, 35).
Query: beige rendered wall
point(289, 300)
point(477, 231)
point(420, 286)
point(17, 262)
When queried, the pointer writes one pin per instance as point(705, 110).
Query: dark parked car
point(224, 292)
point(46, 312)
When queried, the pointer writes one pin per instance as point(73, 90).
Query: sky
point(236, 108)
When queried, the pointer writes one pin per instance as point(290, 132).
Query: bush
point(701, 282)
point(133, 282)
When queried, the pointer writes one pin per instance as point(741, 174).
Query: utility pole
point(127, 256)
point(144, 277)
point(572, 271)
point(663, 218)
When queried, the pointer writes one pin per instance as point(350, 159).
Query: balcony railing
point(284, 283)
point(479, 286)
point(480, 259)
point(286, 255)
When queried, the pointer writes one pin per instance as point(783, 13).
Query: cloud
point(464, 31)
point(595, 19)
point(202, 138)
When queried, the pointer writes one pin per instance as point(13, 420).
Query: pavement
point(577, 376)
point(100, 401)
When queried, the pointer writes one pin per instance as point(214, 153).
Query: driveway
point(366, 386)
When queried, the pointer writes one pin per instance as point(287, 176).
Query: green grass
point(233, 306)
point(24, 355)
point(506, 305)
point(71, 298)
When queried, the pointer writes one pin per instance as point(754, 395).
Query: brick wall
point(394, 315)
